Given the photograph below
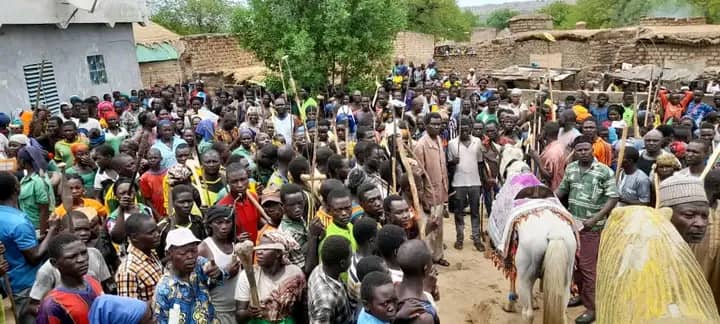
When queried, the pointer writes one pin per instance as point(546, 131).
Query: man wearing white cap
point(686, 196)
point(184, 289)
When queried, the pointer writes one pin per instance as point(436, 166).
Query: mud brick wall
point(214, 52)
point(668, 21)
point(523, 23)
point(161, 73)
point(415, 47)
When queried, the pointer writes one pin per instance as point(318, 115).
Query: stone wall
point(214, 53)
point(669, 21)
point(415, 47)
point(162, 73)
point(531, 22)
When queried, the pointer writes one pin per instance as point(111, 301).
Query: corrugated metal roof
point(155, 53)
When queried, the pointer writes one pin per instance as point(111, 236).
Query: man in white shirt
point(465, 155)
point(85, 121)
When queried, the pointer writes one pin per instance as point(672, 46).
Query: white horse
point(546, 246)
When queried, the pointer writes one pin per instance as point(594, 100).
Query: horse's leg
point(527, 273)
point(510, 305)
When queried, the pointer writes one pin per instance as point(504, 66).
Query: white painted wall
point(67, 49)
point(33, 12)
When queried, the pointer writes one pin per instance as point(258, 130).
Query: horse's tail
point(555, 281)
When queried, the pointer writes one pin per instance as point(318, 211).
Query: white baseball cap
point(180, 237)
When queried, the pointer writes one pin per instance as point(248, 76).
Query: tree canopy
point(616, 13)
point(187, 17)
point(323, 39)
point(441, 18)
point(500, 17)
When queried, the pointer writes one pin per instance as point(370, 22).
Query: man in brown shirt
point(430, 156)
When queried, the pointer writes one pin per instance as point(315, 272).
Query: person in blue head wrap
point(111, 309)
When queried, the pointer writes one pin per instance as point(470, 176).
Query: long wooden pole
point(8, 287)
point(621, 155)
point(711, 162)
point(413, 189)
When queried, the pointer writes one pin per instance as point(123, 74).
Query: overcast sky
point(467, 3)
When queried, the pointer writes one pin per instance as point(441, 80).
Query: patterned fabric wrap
point(645, 263)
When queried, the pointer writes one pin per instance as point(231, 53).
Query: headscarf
point(74, 99)
point(280, 241)
point(667, 159)
point(111, 114)
point(19, 138)
point(177, 174)
point(76, 147)
point(4, 119)
point(206, 129)
point(248, 131)
point(111, 309)
point(103, 108)
point(34, 156)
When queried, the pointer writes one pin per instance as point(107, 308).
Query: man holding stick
point(465, 156)
point(431, 158)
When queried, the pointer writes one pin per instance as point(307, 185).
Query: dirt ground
point(472, 290)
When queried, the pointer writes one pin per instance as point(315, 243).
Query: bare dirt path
point(472, 290)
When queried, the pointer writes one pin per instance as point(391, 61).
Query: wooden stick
point(553, 114)
point(621, 155)
point(656, 181)
point(8, 287)
point(636, 109)
point(711, 162)
point(244, 251)
point(649, 100)
point(257, 205)
point(413, 189)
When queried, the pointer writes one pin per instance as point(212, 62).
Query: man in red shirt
point(246, 215)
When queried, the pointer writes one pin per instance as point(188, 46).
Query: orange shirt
point(602, 151)
point(87, 202)
point(26, 118)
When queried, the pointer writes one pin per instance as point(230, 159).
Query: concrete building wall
point(415, 47)
point(163, 73)
point(67, 49)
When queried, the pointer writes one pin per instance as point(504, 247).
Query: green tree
point(441, 18)
point(559, 12)
point(323, 39)
point(499, 18)
point(187, 17)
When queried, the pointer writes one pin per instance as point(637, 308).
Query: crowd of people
point(136, 208)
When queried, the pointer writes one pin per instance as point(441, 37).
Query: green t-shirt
point(347, 233)
point(628, 115)
point(485, 117)
point(35, 190)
